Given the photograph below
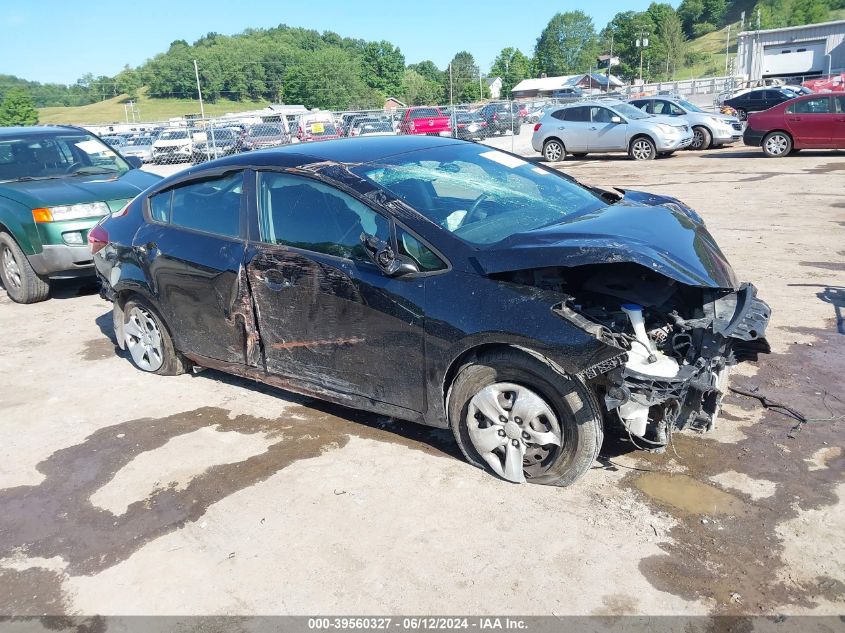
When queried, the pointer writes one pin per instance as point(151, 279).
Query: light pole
point(642, 43)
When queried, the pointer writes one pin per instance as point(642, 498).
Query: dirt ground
point(125, 493)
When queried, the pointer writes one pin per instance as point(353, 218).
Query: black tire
point(642, 148)
point(22, 283)
point(777, 144)
point(554, 151)
point(573, 403)
point(702, 139)
point(173, 362)
point(579, 154)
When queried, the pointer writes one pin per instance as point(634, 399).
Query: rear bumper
point(62, 260)
point(753, 137)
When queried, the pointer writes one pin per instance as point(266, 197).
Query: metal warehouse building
point(811, 50)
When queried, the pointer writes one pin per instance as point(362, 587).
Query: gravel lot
point(125, 493)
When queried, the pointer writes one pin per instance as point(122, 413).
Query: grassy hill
point(113, 111)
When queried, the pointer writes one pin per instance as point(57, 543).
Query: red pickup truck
point(425, 120)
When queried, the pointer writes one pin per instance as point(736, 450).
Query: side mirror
point(616, 119)
point(134, 162)
point(382, 254)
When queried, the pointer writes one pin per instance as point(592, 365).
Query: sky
point(61, 40)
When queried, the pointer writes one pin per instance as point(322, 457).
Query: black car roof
point(37, 130)
point(349, 150)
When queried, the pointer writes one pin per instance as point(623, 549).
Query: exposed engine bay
point(676, 342)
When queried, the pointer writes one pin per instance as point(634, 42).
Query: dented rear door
point(193, 253)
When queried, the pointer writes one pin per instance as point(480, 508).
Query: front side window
point(410, 246)
point(53, 156)
point(819, 105)
point(601, 115)
point(210, 206)
point(480, 195)
point(310, 215)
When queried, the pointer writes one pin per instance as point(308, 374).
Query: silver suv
point(709, 129)
point(597, 127)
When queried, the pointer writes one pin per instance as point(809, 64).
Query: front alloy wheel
point(643, 149)
point(777, 145)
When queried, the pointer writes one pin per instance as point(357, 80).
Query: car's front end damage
point(645, 278)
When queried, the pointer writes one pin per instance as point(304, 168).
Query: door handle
point(795, 118)
point(593, 128)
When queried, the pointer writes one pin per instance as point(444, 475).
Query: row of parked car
point(774, 118)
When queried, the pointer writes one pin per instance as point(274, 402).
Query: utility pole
point(642, 43)
point(202, 109)
point(610, 60)
point(727, 49)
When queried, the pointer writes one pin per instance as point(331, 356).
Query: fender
point(17, 219)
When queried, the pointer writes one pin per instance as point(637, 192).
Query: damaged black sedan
point(437, 281)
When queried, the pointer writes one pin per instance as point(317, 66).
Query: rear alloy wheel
point(777, 144)
point(516, 417)
point(22, 283)
point(642, 148)
point(148, 341)
point(701, 138)
point(553, 151)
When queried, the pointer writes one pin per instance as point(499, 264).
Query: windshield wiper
point(86, 171)
point(31, 178)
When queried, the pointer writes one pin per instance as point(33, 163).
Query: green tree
point(462, 84)
point(18, 108)
point(429, 70)
point(512, 66)
point(674, 43)
point(128, 82)
point(418, 90)
point(328, 79)
point(383, 67)
point(567, 45)
point(626, 28)
point(691, 13)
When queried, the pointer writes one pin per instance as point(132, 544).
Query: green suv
point(56, 183)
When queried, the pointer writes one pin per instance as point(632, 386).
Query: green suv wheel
point(21, 282)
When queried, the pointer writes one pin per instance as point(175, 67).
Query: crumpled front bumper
point(736, 332)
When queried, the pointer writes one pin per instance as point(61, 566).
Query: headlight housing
point(70, 212)
point(667, 129)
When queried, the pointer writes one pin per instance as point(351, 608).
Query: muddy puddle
point(681, 492)
point(725, 546)
point(57, 518)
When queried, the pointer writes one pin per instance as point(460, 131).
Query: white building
point(796, 51)
point(495, 86)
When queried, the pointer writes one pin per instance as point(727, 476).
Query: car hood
point(78, 189)
point(656, 232)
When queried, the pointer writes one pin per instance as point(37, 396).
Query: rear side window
point(559, 114)
point(210, 206)
point(819, 105)
point(581, 114)
point(310, 215)
point(423, 113)
point(840, 103)
point(642, 105)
